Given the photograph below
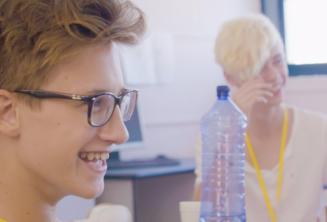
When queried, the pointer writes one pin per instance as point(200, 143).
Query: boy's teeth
point(90, 156)
point(83, 155)
point(104, 156)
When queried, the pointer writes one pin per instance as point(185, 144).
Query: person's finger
point(251, 96)
point(256, 85)
point(246, 101)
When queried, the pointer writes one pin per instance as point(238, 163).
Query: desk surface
point(185, 166)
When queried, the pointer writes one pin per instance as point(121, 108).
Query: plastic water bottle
point(223, 159)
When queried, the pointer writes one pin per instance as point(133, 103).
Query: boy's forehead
point(94, 70)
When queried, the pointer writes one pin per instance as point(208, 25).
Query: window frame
point(275, 11)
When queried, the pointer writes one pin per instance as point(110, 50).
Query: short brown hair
point(35, 35)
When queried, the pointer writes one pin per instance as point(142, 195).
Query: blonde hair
point(244, 44)
point(35, 35)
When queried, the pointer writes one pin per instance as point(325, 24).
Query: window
point(301, 23)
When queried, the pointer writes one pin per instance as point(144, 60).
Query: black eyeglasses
point(100, 106)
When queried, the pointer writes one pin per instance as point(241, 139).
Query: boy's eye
point(277, 59)
point(98, 103)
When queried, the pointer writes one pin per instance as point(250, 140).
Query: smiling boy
point(62, 99)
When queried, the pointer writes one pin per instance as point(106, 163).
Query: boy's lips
point(96, 161)
point(277, 91)
point(97, 166)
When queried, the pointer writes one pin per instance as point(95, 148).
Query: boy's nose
point(115, 130)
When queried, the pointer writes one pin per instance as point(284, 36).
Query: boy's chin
point(90, 192)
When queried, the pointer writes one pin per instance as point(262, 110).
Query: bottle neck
point(222, 97)
point(222, 94)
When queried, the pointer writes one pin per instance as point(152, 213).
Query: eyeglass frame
point(89, 100)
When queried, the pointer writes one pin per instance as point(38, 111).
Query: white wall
point(171, 109)
point(309, 92)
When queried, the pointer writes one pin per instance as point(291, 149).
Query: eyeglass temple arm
point(50, 95)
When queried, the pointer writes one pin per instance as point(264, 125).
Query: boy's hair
point(244, 44)
point(35, 35)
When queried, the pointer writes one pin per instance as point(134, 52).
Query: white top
point(305, 172)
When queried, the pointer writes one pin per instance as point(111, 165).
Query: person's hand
point(252, 92)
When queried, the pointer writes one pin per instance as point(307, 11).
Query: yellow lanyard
point(271, 211)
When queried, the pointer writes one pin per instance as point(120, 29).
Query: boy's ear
point(9, 121)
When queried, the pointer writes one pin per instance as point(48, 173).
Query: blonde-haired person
point(63, 102)
point(286, 147)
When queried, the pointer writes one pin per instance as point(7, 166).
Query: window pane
point(305, 32)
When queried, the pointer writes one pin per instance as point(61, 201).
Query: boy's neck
point(19, 202)
point(266, 121)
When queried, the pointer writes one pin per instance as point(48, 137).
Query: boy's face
point(274, 72)
point(52, 137)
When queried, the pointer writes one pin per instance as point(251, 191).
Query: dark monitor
point(136, 141)
point(136, 137)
